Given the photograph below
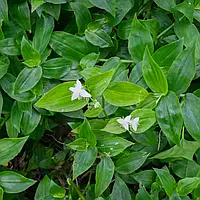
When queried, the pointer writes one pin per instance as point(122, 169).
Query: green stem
point(70, 182)
point(167, 29)
point(103, 106)
point(123, 61)
point(88, 184)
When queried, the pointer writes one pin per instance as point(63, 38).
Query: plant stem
point(123, 61)
point(70, 182)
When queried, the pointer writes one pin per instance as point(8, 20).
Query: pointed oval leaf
point(27, 79)
point(16, 116)
point(4, 10)
point(104, 174)
point(58, 99)
point(138, 39)
point(153, 75)
point(10, 147)
point(10, 47)
point(169, 117)
point(79, 144)
point(83, 161)
point(124, 94)
point(143, 194)
point(166, 5)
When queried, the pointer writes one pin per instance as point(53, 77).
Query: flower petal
point(123, 123)
point(84, 93)
point(75, 95)
point(135, 123)
point(78, 84)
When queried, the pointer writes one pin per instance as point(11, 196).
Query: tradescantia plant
point(99, 99)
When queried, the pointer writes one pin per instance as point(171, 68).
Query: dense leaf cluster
point(99, 99)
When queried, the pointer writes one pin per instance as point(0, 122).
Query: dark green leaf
point(16, 116)
point(104, 174)
point(4, 64)
point(143, 194)
point(10, 47)
point(4, 11)
point(166, 5)
point(79, 144)
point(11, 130)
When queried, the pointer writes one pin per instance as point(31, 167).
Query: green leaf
point(10, 47)
point(35, 4)
point(187, 185)
point(16, 116)
point(86, 133)
point(130, 163)
point(11, 130)
point(13, 182)
point(120, 190)
point(153, 75)
point(104, 174)
point(30, 122)
point(79, 144)
point(56, 68)
point(19, 12)
point(98, 37)
point(69, 46)
point(10, 147)
point(56, 191)
point(58, 99)
point(108, 5)
point(138, 39)
point(143, 194)
point(166, 5)
point(30, 55)
point(97, 84)
point(167, 180)
point(4, 11)
point(169, 117)
point(83, 16)
point(165, 55)
point(56, 1)
point(27, 79)
point(4, 64)
point(146, 119)
point(93, 112)
point(190, 109)
point(1, 103)
point(83, 161)
point(182, 70)
point(112, 63)
point(89, 60)
point(124, 94)
point(112, 146)
point(43, 31)
point(186, 150)
point(1, 193)
point(187, 9)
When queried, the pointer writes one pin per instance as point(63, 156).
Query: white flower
point(97, 104)
point(135, 123)
point(128, 121)
point(78, 92)
point(125, 122)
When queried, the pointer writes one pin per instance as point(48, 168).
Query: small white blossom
point(78, 92)
point(128, 121)
point(97, 105)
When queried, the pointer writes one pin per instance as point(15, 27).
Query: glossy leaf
point(86, 133)
point(27, 79)
point(83, 161)
point(4, 11)
point(166, 5)
point(79, 144)
point(115, 94)
point(10, 47)
point(120, 190)
point(169, 117)
point(56, 191)
point(138, 39)
point(167, 180)
point(58, 99)
point(108, 5)
point(153, 75)
point(30, 122)
point(11, 130)
point(10, 147)
point(13, 182)
point(16, 116)
point(112, 146)
point(104, 174)
point(143, 194)
point(43, 31)
point(182, 70)
point(89, 60)
point(4, 64)
point(130, 163)
point(83, 16)
point(19, 11)
point(97, 84)
point(190, 115)
point(187, 185)
point(165, 55)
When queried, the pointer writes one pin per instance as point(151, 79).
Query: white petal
point(123, 123)
point(75, 95)
point(128, 119)
point(78, 84)
point(72, 89)
point(135, 123)
point(84, 93)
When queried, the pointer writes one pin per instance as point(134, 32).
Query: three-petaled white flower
point(128, 121)
point(78, 92)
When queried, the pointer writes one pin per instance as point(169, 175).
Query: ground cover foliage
point(99, 99)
